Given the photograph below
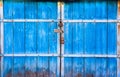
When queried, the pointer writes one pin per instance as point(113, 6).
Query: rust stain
point(19, 74)
point(118, 8)
point(89, 75)
point(29, 73)
point(9, 74)
point(118, 38)
point(79, 75)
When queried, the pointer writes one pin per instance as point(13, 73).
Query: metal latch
point(58, 30)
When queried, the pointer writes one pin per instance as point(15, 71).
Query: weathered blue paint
point(19, 66)
point(90, 38)
point(30, 38)
point(79, 38)
point(8, 43)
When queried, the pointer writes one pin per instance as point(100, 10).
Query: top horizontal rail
point(57, 20)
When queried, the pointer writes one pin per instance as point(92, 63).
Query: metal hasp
point(60, 26)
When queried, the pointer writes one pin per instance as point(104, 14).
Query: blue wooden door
point(89, 43)
point(31, 48)
point(30, 44)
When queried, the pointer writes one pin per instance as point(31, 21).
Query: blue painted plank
point(8, 12)
point(47, 10)
point(42, 38)
point(18, 38)
point(90, 38)
point(8, 38)
point(74, 10)
point(78, 67)
point(78, 38)
point(30, 37)
point(101, 10)
point(52, 38)
point(18, 9)
point(53, 67)
point(30, 28)
point(42, 67)
point(30, 66)
point(8, 67)
point(30, 10)
point(68, 67)
point(39, 67)
point(101, 67)
point(112, 67)
point(19, 65)
point(68, 9)
point(68, 49)
point(101, 38)
point(112, 9)
point(112, 38)
point(89, 67)
point(68, 35)
point(89, 11)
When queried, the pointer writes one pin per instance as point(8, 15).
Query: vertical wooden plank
point(89, 11)
point(53, 67)
point(47, 39)
point(8, 12)
point(78, 38)
point(18, 12)
point(73, 36)
point(89, 38)
point(30, 67)
point(101, 38)
point(19, 67)
point(112, 9)
point(18, 37)
point(90, 67)
point(30, 28)
point(68, 70)
point(101, 11)
point(68, 11)
point(101, 67)
point(89, 27)
point(8, 38)
point(78, 67)
point(18, 9)
point(101, 28)
point(68, 40)
point(112, 38)
point(30, 8)
point(78, 48)
point(68, 45)
point(112, 67)
point(30, 37)
point(7, 68)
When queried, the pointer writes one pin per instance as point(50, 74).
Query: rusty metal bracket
point(58, 30)
point(62, 40)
